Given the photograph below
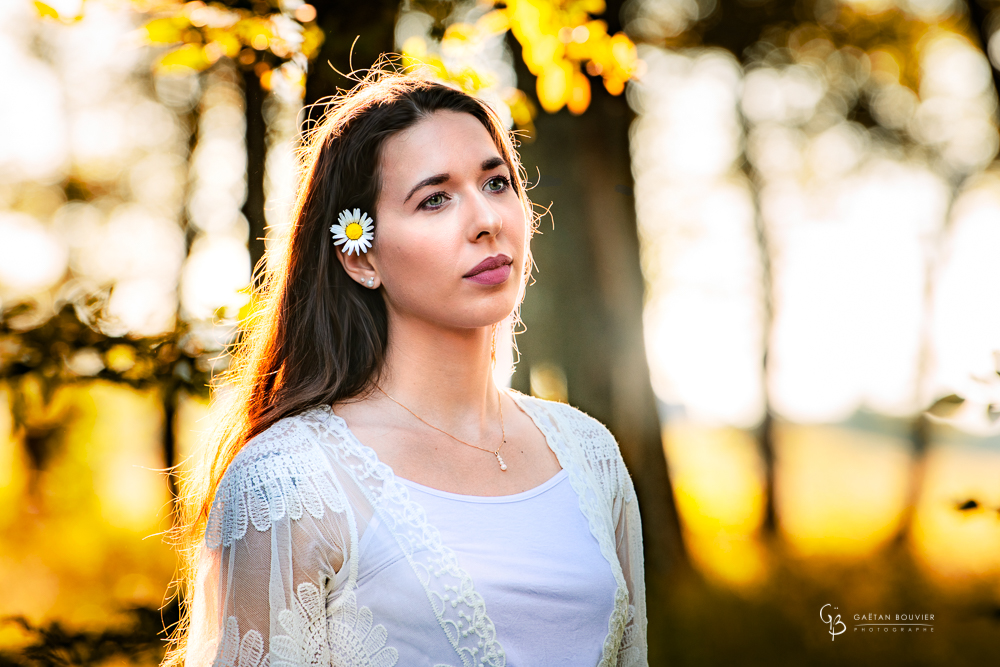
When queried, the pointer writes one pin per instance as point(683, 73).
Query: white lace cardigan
point(278, 574)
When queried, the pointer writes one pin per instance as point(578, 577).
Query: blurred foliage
point(557, 38)
point(885, 39)
point(140, 640)
point(38, 357)
point(258, 35)
point(561, 44)
point(948, 406)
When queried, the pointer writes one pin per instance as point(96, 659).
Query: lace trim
point(460, 610)
point(598, 453)
point(343, 634)
point(278, 473)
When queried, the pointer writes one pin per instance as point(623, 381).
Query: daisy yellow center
point(353, 231)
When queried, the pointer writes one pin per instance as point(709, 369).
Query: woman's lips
point(491, 271)
point(491, 276)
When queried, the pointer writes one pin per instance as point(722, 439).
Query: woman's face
point(447, 205)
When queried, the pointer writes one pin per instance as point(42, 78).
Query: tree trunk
point(371, 23)
point(765, 431)
point(168, 440)
point(256, 146)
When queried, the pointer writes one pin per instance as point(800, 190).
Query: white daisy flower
point(354, 230)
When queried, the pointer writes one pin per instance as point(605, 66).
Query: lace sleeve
point(276, 540)
point(628, 538)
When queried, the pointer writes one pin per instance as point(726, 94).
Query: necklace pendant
point(503, 466)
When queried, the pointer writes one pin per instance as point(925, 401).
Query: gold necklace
point(503, 432)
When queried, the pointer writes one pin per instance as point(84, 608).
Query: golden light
point(959, 547)
point(80, 554)
point(967, 322)
point(553, 84)
point(718, 483)
point(259, 41)
point(696, 220)
point(956, 115)
point(851, 279)
point(34, 104)
point(32, 258)
point(841, 491)
point(305, 13)
point(217, 269)
point(579, 96)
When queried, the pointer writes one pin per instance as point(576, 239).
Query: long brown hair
point(317, 336)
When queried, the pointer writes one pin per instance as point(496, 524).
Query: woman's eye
point(434, 200)
point(497, 183)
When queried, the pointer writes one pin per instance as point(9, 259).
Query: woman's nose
point(485, 217)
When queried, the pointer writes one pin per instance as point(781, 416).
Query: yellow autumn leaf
point(415, 47)
point(579, 94)
point(493, 22)
point(521, 108)
point(546, 51)
point(623, 51)
point(184, 59)
point(579, 52)
point(552, 86)
point(45, 11)
point(312, 40)
point(120, 358)
point(255, 31)
point(435, 63)
point(166, 30)
point(226, 41)
point(460, 32)
point(472, 80)
point(598, 29)
point(614, 85)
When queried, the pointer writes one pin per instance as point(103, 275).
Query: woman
point(375, 498)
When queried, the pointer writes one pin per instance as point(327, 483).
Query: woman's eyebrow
point(433, 180)
point(492, 163)
point(438, 179)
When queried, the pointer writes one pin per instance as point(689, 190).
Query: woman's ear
point(359, 267)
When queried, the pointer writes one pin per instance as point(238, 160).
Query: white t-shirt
point(532, 556)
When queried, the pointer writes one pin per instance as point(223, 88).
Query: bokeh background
point(768, 264)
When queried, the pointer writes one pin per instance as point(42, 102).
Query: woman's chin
point(476, 318)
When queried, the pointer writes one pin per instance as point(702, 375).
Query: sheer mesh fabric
point(277, 580)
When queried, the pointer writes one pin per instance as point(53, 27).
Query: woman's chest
point(547, 587)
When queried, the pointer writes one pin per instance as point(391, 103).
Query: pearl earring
point(370, 282)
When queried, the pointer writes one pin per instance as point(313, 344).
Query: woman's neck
point(445, 375)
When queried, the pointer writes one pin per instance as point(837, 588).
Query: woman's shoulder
point(580, 431)
point(281, 472)
point(584, 439)
point(285, 448)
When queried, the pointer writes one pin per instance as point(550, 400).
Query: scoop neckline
point(510, 498)
point(515, 396)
